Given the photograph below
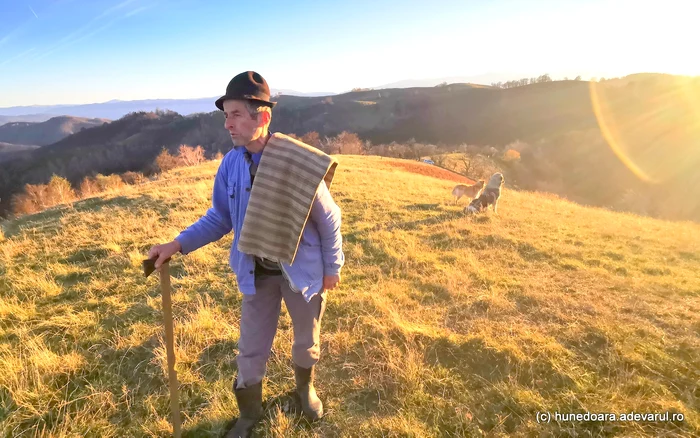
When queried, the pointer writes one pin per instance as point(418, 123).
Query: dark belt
point(260, 270)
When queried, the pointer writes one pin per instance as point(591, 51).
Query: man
point(264, 283)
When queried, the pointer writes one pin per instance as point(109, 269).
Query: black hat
point(248, 85)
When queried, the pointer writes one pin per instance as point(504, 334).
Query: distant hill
point(43, 133)
point(450, 114)
point(25, 118)
point(115, 109)
point(129, 143)
point(10, 147)
point(9, 151)
point(484, 79)
point(300, 93)
point(566, 152)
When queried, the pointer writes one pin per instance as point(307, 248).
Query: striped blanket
point(285, 185)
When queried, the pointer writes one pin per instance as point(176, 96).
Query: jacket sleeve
point(215, 223)
point(326, 215)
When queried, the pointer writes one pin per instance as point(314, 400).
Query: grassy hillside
point(630, 131)
point(130, 143)
point(443, 325)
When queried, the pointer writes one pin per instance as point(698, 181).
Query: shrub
point(345, 143)
point(132, 178)
point(110, 182)
point(22, 203)
point(190, 156)
point(165, 161)
point(312, 139)
point(59, 191)
point(511, 155)
point(88, 187)
point(440, 160)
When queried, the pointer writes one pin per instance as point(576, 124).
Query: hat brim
point(220, 101)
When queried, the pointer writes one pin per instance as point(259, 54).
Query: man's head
point(247, 109)
point(247, 121)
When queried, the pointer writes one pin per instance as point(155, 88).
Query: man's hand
point(330, 281)
point(163, 252)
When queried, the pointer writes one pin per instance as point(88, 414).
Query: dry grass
point(443, 326)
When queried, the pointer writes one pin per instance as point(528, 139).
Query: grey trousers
point(259, 318)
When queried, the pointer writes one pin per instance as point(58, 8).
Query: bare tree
point(59, 191)
point(88, 187)
point(312, 139)
point(191, 156)
point(345, 143)
point(165, 161)
point(439, 159)
point(37, 194)
point(132, 177)
point(22, 204)
point(466, 163)
point(108, 182)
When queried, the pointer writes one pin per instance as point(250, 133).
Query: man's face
point(237, 121)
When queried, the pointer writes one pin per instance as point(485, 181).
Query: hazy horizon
point(78, 52)
point(398, 80)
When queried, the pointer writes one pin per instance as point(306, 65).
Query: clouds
point(17, 57)
point(14, 16)
point(136, 11)
point(114, 9)
point(10, 36)
point(6, 38)
point(30, 8)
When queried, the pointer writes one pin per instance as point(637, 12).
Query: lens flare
point(651, 123)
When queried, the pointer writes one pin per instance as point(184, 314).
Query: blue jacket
point(320, 249)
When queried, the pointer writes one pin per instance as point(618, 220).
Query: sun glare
point(651, 123)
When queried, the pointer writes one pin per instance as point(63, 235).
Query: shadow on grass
point(140, 202)
point(475, 358)
point(423, 207)
point(7, 404)
point(433, 220)
point(218, 360)
point(49, 221)
point(71, 279)
point(287, 403)
point(429, 293)
point(208, 429)
point(86, 256)
point(45, 222)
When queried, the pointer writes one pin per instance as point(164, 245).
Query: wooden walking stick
point(148, 268)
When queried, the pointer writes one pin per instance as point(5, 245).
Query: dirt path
point(430, 170)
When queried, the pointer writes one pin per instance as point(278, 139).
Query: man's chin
point(239, 141)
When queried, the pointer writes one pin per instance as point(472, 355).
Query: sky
point(88, 51)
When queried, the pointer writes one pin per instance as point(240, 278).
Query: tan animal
point(471, 191)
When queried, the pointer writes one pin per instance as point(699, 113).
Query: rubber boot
point(310, 403)
point(250, 407)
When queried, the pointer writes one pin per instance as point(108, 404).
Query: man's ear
point(264, 118)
